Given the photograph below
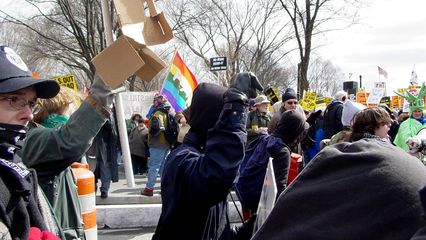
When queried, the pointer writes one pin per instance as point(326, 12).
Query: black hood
point(206, 105)
point(290, 126)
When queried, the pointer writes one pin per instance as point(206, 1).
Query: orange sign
point(395, 102)
point(361, 97)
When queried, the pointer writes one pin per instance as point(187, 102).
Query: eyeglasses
point(19, 103)
point(292, 102)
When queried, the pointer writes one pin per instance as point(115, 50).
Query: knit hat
point(260, 99)
point(290, 126)
point(289, 94)
point(15, 75)
point(341, 96)
point(349, 110)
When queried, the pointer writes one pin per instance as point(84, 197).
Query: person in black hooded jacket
point(199, 174)
point(333, 115)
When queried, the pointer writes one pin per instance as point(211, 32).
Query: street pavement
point(126, 234)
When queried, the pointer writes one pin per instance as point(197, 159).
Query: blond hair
point(58, 104)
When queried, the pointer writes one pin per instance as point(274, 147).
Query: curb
point(141, 215)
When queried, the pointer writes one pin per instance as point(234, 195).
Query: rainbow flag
point(179, 84)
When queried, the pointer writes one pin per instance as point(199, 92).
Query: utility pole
point(122, 130)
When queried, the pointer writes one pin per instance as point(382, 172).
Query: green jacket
point(51, 151)
point(408, 128)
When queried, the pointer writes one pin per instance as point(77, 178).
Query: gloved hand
point(101, 92)
point(245, 230)
point(245, 86)
point(415, 144)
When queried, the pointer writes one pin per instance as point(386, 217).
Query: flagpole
point(122, 130)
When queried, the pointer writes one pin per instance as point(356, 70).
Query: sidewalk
point(125, 207)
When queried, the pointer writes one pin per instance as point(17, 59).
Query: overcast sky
point(392, 35)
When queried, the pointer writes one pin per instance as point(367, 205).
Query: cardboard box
point(130, 11)
point(125, 57)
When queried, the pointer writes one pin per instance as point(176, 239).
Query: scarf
point(11, 139)
point(54, 121)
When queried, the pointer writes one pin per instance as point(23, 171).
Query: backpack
point(172, 130)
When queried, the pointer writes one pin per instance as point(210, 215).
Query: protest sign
point(67, 81)
point(136, 102)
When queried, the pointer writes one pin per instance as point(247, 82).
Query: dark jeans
point(139, 164)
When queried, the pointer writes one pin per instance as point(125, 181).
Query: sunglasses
point(292, 102)
point(18, 103)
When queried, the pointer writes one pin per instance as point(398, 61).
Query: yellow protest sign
point(67, 81)
point(309, 101)
point(328, 100)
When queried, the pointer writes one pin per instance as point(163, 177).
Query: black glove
point(101, 92)
point(245, 86)
point(245, 230)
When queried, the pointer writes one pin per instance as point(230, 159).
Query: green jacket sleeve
point(46, 148)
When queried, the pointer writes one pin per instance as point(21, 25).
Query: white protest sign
point(267, 197)
point(375, 96)
point(136, 102)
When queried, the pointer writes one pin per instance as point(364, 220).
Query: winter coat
point(367, 189)
point(138, 139)
point(333, 119)
point(196, 180)
point(22, 202)
point(52, 151)
point(256, 119)
point(253, 169)
point(157, 126)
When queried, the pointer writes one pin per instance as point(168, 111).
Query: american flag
point(382, 72)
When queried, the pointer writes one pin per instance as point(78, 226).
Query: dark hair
point(135, 115)
point(367, 121)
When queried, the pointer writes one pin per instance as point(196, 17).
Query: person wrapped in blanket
point(199, 174)
point(366, 189)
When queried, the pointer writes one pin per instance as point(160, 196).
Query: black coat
point(333, 119)
point(197, 179)
point(19, 209)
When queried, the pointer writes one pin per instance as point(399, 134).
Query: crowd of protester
point(359, 178)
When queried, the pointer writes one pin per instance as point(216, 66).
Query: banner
point(67, 81)
point(136, 102)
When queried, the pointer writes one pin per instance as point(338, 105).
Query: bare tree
point(70, 33)
point(325, 78)
point(249, 33)
point(313, 17)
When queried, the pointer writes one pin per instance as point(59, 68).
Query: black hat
point(289, 94)
point(14, 75)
